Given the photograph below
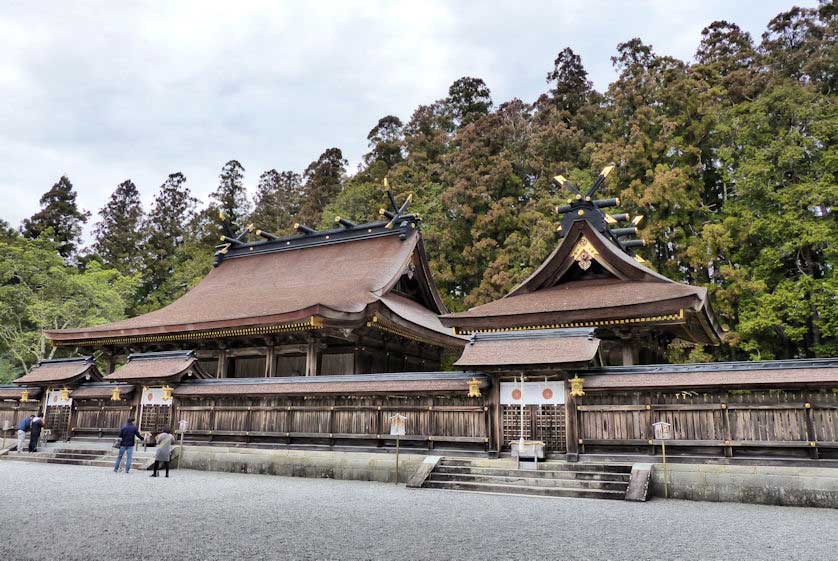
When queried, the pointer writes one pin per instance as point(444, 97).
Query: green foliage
point(60, 218)
point(40, 291)
point(118, 233)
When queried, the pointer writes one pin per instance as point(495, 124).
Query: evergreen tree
point(468, 100)
point(277, 201)
point(165, 230)
point(60, 218)
point(118, 234)
point(322, 183)
point(230, 207)
point(386, 142)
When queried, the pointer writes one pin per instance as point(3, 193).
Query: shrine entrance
point(57, 414)
point(542, 418)
point(155, 410)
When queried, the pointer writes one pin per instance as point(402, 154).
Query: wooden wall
point(438, 421)
point(100, 417)
point(787, 423)
point(14, 411)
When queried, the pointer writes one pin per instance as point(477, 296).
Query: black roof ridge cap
point(161, 355)
point(67, 360)
point(730, 366)
point(383, 376)
point(566, 333)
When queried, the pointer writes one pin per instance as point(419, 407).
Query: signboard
point(663, 431)
point(532, 393)
point(154, 396)
point(183, 426)
point(54, 399)
point(398, 425)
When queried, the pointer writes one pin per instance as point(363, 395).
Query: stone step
point(543, 474)
point(524, 490)
point(529, 482)
point(610, 468)
point(38, 458)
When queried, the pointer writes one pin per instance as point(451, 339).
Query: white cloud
point(105, 91)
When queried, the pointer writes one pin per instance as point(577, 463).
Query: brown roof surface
point(100, 391)
point(586, 295)
point(688, 380)
point(529, 351)
point(147, 369)
point(336, 281)
point(58, 371)
point(349, 384)
point(417, 314)
point(8, 392)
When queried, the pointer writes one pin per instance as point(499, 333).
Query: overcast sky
point(114, 90)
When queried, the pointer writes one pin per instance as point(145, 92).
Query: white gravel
point(83, 513)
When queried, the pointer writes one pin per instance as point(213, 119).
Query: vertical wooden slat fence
point(794, 423)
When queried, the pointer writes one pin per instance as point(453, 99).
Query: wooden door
point(57, 420)
point(155, 418)
point(541, 422)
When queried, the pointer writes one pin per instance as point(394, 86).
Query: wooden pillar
point(629, 354)
point(222, 364)
point(111, 361)
point(313, 356)
point(571, 425)
point(270, 360)
point(494, 411)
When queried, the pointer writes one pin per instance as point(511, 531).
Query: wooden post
point(726, 423)
point(270, 360)
point(221, 372)
point(111, 361)
point(494, 410)
point(810, 431)
point(629, 352)
point(571, 425)
point(312, 356)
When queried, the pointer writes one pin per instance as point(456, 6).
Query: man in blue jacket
point(127, 434)
point(24, 425)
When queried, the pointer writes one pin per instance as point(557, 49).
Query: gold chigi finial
point(386, 185)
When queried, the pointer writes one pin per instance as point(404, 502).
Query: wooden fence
point(99, 417)
point(347, 421)
point(730, 424)
point(14, 411)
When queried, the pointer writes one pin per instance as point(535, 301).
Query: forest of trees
point(731, 157)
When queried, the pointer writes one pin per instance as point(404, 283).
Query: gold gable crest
point(584, 253)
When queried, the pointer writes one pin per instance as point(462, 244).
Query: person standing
point(35, 432)
point(22, 427)
point(127, 434)
point(163, 456)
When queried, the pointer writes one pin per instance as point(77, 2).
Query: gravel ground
point(83, 513)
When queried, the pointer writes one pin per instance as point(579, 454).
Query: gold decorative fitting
point(584, 252)
point(808, 406)
point(560, 179)
point(167, 393)
point(24, 396)
point(580, 212)
point(576, 386)
point(474, 388)
point(637, 220)
point(65, 394)
point(813, 444)
point(115, 395)
point(578, 196)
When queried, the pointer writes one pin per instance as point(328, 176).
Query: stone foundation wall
point(302, 463)
point(788, 486)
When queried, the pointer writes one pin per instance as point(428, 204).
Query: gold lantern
point(576, 386)
point(115, 395)
point(24, 396)
point(65, 394)
point(474, 388)
point(167, 393)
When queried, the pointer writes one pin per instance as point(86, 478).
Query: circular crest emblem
point(547, 393)
point(516, 394)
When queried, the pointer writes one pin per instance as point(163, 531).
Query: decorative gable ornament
point(115, 395)
point(584, 253)
point(474, 388)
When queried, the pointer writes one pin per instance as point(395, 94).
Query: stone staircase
point(80, 456)
point(553, 479)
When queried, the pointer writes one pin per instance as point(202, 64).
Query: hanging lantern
point(576, 386)
point(167, 393)
point(115, 395)
point(65, 394)
point(24, 396)
point(474, 388)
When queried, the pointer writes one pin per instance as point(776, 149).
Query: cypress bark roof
point(303, 281)
point(551, 347)
point(163, 366)
point(62, 370)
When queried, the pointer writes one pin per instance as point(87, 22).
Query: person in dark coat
point(35, 433)
point(127, 434)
